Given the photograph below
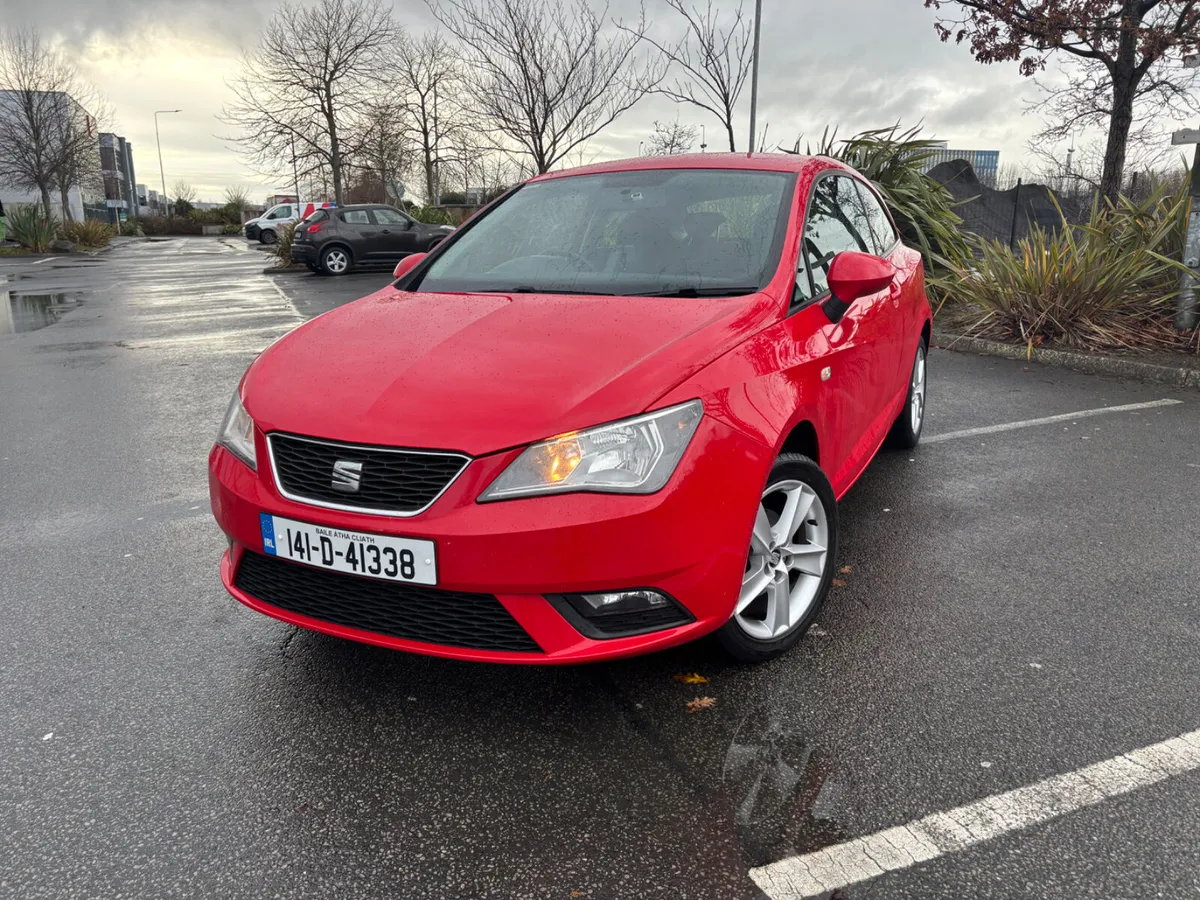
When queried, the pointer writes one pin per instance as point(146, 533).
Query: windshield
point(685, 232)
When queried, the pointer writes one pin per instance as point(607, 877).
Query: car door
point(397, 234)
point(360, 232)
point(852, 371)
point(903, 295)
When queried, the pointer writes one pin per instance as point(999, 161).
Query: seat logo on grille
point(347, 476)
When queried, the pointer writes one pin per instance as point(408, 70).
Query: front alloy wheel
point(789, 568)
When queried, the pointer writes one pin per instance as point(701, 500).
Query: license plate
point(353, 552)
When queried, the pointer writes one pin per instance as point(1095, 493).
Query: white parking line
point(957, 829)
point(1048, 420)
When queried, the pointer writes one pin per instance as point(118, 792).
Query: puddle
point(29, 312)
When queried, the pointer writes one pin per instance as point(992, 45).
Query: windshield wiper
point(702, 292)
point(530, 289)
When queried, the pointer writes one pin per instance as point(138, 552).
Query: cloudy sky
point(851, 63)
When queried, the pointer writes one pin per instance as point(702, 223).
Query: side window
point(386, 216)
point(356, 217)
point(837, 221)
point(881, 226)
point(283, 212)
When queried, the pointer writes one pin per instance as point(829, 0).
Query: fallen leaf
point(576, 893)
point(845, 570)
point(838, 582)
point(690, 678)
point(700, 703)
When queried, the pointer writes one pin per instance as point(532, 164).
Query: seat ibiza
point(612, 413)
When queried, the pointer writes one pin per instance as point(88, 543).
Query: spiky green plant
point(87, 233)
point(283, 245)
point(30, 227)
point(1110, 283)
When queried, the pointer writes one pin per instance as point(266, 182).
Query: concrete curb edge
point(1088, 363)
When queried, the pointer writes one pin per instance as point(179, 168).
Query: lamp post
point(158, 141)
point(754, 72)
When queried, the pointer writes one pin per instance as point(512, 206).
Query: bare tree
point(382, 144)
point(713, 58)
point(48, 140)
point(236, 200)
point(670, 138)
point(308, 82)
point(547, 78)
point(1124, 60)
point(428, 78)
point(185, 194)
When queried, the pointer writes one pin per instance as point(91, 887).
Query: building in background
point(85, 197)
point(116, 165)
point(986, 163)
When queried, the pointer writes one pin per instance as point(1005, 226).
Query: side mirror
point(407, 264)
point(854, 275)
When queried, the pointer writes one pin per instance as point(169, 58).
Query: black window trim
point(401, 213)
point(793, 306)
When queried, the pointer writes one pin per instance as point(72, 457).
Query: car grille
point(394, 481)
point(411, 612)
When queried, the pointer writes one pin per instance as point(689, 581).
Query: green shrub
point(160, 225)
point(30, 227)
point(231, 228)
point(431, 215)
point(87, 233)
point(1108, 284)
point(282, 248)
point(131, 228)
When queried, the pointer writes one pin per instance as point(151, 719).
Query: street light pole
point(158, 141)
point(754, 72)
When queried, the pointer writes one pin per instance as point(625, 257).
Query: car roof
point(751, 162)
point(365, 206)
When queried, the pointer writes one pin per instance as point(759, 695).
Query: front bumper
point(688, 541)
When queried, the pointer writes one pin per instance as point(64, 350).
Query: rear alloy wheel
point(267, 237)
point(906, 431)
point(336, 261)
point(790, 565)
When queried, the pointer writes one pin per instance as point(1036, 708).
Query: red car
point(612, 413)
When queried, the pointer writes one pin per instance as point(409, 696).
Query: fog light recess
point(611, 614)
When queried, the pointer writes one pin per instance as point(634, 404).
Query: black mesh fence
point(1009, 215)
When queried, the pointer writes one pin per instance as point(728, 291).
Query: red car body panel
point(487, 374)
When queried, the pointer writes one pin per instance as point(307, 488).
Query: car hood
point(485, 372)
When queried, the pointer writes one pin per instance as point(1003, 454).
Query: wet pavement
point(1016, 605)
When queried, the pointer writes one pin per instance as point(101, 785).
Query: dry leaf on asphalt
point(845, 570)
point(690, 678)
point(838, 582)
point(701, 703)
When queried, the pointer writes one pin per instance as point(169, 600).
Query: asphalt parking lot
point(1017, 604)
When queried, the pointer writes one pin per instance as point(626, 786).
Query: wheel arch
point(338, 243)
point(803, 439)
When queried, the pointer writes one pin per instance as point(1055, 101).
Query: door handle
point(385, 231)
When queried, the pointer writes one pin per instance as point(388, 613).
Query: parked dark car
point(334, 241)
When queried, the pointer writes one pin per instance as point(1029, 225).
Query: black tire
point(336, 260)
point(267, 236)
point(734, 636)
point(906, 430)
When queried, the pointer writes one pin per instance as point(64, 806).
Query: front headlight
point(237, 432)
point(633, 456)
